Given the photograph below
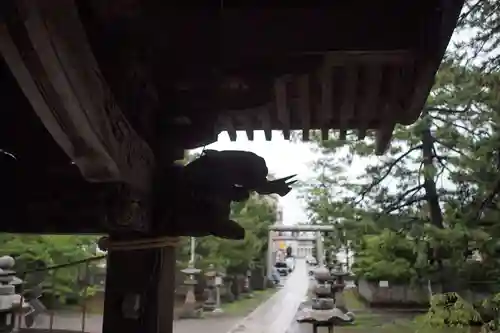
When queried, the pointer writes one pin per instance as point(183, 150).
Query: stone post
point(211, 302)
point(218, 283)
point(270, 259)
point(247, 287)
point(257, 279)
point(190, 308)
point(192, 252)
point(338, 289)
point(319, 248)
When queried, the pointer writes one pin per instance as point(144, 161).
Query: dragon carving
point(211, 182)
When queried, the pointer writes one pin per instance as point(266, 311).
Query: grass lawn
point(245, 306)
point(352, 301)
point(367, 321)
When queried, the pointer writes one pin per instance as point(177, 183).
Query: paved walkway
point(278, 313)
point(93, 324)
point(208, 325)
point(274, 316)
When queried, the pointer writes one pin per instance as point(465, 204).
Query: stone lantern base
point(191, 313)
point(191, 308)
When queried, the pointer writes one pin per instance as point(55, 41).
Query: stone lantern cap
point(339, 273)
point(191, 271)
point(322, 274)
point(7, 262)
point(212, 272)
point(335, 316)
point(6, 272)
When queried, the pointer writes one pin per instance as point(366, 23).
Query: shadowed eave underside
point(109, 83)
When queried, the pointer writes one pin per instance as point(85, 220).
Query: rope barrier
point(107, 244)
point(50, 268)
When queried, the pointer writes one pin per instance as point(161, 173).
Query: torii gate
point(302, 239)
point(318, 228)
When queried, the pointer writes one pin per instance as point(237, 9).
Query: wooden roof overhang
point(110, 79)
point(344, 65)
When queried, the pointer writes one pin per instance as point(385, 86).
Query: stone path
point(273, 316)
point(208, 325)
point(277, 314)
point(93, 323)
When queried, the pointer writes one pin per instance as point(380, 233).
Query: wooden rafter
point(304, 105)
point(282, 107)
point(318, 110)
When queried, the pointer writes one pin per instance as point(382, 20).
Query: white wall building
point(279, 245)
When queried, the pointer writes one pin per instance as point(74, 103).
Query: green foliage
point(451, 310)
point(387, 256)
point(52, 250)
point(255, 215)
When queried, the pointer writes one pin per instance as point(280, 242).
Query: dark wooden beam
point(384, 134)
point(250, 135)
point(304, 104)
point(248, 123)
point(372, 57)
point(325, 76)
point(383, 137)
point(282, 107)
point(265, 120)
point(445, 19)
point(45, 46)
point(227, 125)
point(349, 100)
point(370, 106)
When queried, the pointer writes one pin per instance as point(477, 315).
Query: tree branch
point(464, 128)
point(407, 203)
point(384, 176)
point(467, 108)
point(402, 196)
point(440, 160)
point(449, 147)
point(489, 199)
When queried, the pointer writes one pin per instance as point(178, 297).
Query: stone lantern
point(227, 281)
point(247, 286)
point(10, 301)
point(190, 308)
point(214, 282)
point(219, 282)
point(338, 287)
point(324, 311)
point(323, 299)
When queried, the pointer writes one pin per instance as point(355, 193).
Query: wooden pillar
point(140, 284)
point(140, 291)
